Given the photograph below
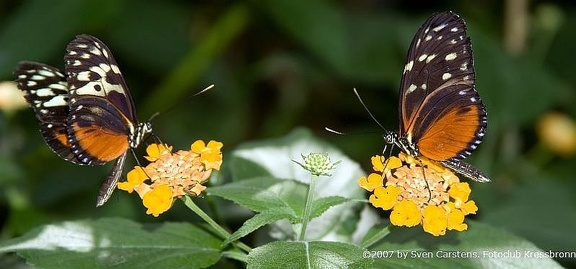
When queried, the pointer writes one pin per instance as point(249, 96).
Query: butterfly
point(87, 115)
point(441, 114)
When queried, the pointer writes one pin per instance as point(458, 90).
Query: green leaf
point(264, 194)
point(480, 246)
point(275, 199)
point(308, 255)
point(258, 221)
point(324, 203)
point(116, 243)
point(272, 159)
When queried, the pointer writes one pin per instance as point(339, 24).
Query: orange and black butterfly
point(441, 114)
point(86, 116)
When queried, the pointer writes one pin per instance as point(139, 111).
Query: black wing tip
point(23, 66)
point(85, 39)
point(445, 17)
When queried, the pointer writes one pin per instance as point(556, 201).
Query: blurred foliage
point(286, 63)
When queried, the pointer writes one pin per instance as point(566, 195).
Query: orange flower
point(419, 191)
point(172, 175)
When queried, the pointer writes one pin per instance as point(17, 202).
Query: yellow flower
point(210, 154)
point(385, 198)
point(406, 213)
point(435, 220)
point(419, 191)
point(371, 182)
point(158, 200)
point(172, 175)
point(456, 219)
point(379, 161)
point(134, 178)
point(156, 150)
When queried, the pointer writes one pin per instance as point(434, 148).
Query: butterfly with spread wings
point(86, 115)
point(441, 114)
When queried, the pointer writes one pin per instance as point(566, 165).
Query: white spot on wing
point(46, 73)
point(446, 76)
point(450, 56)
point(408, 66)
point(439, 27)
point(411, 88)
point(427, 38)
point(422, 57)
point(45, 92)
point(58, 100)
point(423, 86)
point(95, 51)
point(37, 77)
point(455, 29)
point(430, 58)
point(83, 76)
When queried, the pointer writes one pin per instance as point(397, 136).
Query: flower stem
point(221, 231)
point(376, 237)
point(308, 207)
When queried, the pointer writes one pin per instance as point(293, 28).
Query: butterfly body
point(86, 116)
point(441, 114)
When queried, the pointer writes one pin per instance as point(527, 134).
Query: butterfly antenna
point(333, 131)
point(368, 110)
point(179, 103)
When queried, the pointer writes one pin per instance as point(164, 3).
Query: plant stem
point(308, 207)
point(376, 237)
point(221, 231)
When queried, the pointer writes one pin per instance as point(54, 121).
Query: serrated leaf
point(275, 199)
point(258, 221)
point(481, 246)
point(275, 158)
point(116, 243)
point(281, 254)
point(264, 194)
point(322, 204)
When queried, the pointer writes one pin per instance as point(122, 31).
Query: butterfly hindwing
point(101, 108)
point(46, 91)
point(440, 110)
point(86, 116)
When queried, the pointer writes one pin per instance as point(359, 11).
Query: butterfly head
point(144, 128)
point(392, 138)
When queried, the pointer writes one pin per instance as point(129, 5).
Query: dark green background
point(281, 64)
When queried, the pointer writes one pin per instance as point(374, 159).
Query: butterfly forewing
point(101, 108)
point(88, 116)
point(440, 110)
point(46, 91)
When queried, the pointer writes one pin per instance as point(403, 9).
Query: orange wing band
point(450, 134)
point(103, 144)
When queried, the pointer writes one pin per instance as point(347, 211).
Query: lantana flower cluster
point(419, 192)
point(172, 175)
